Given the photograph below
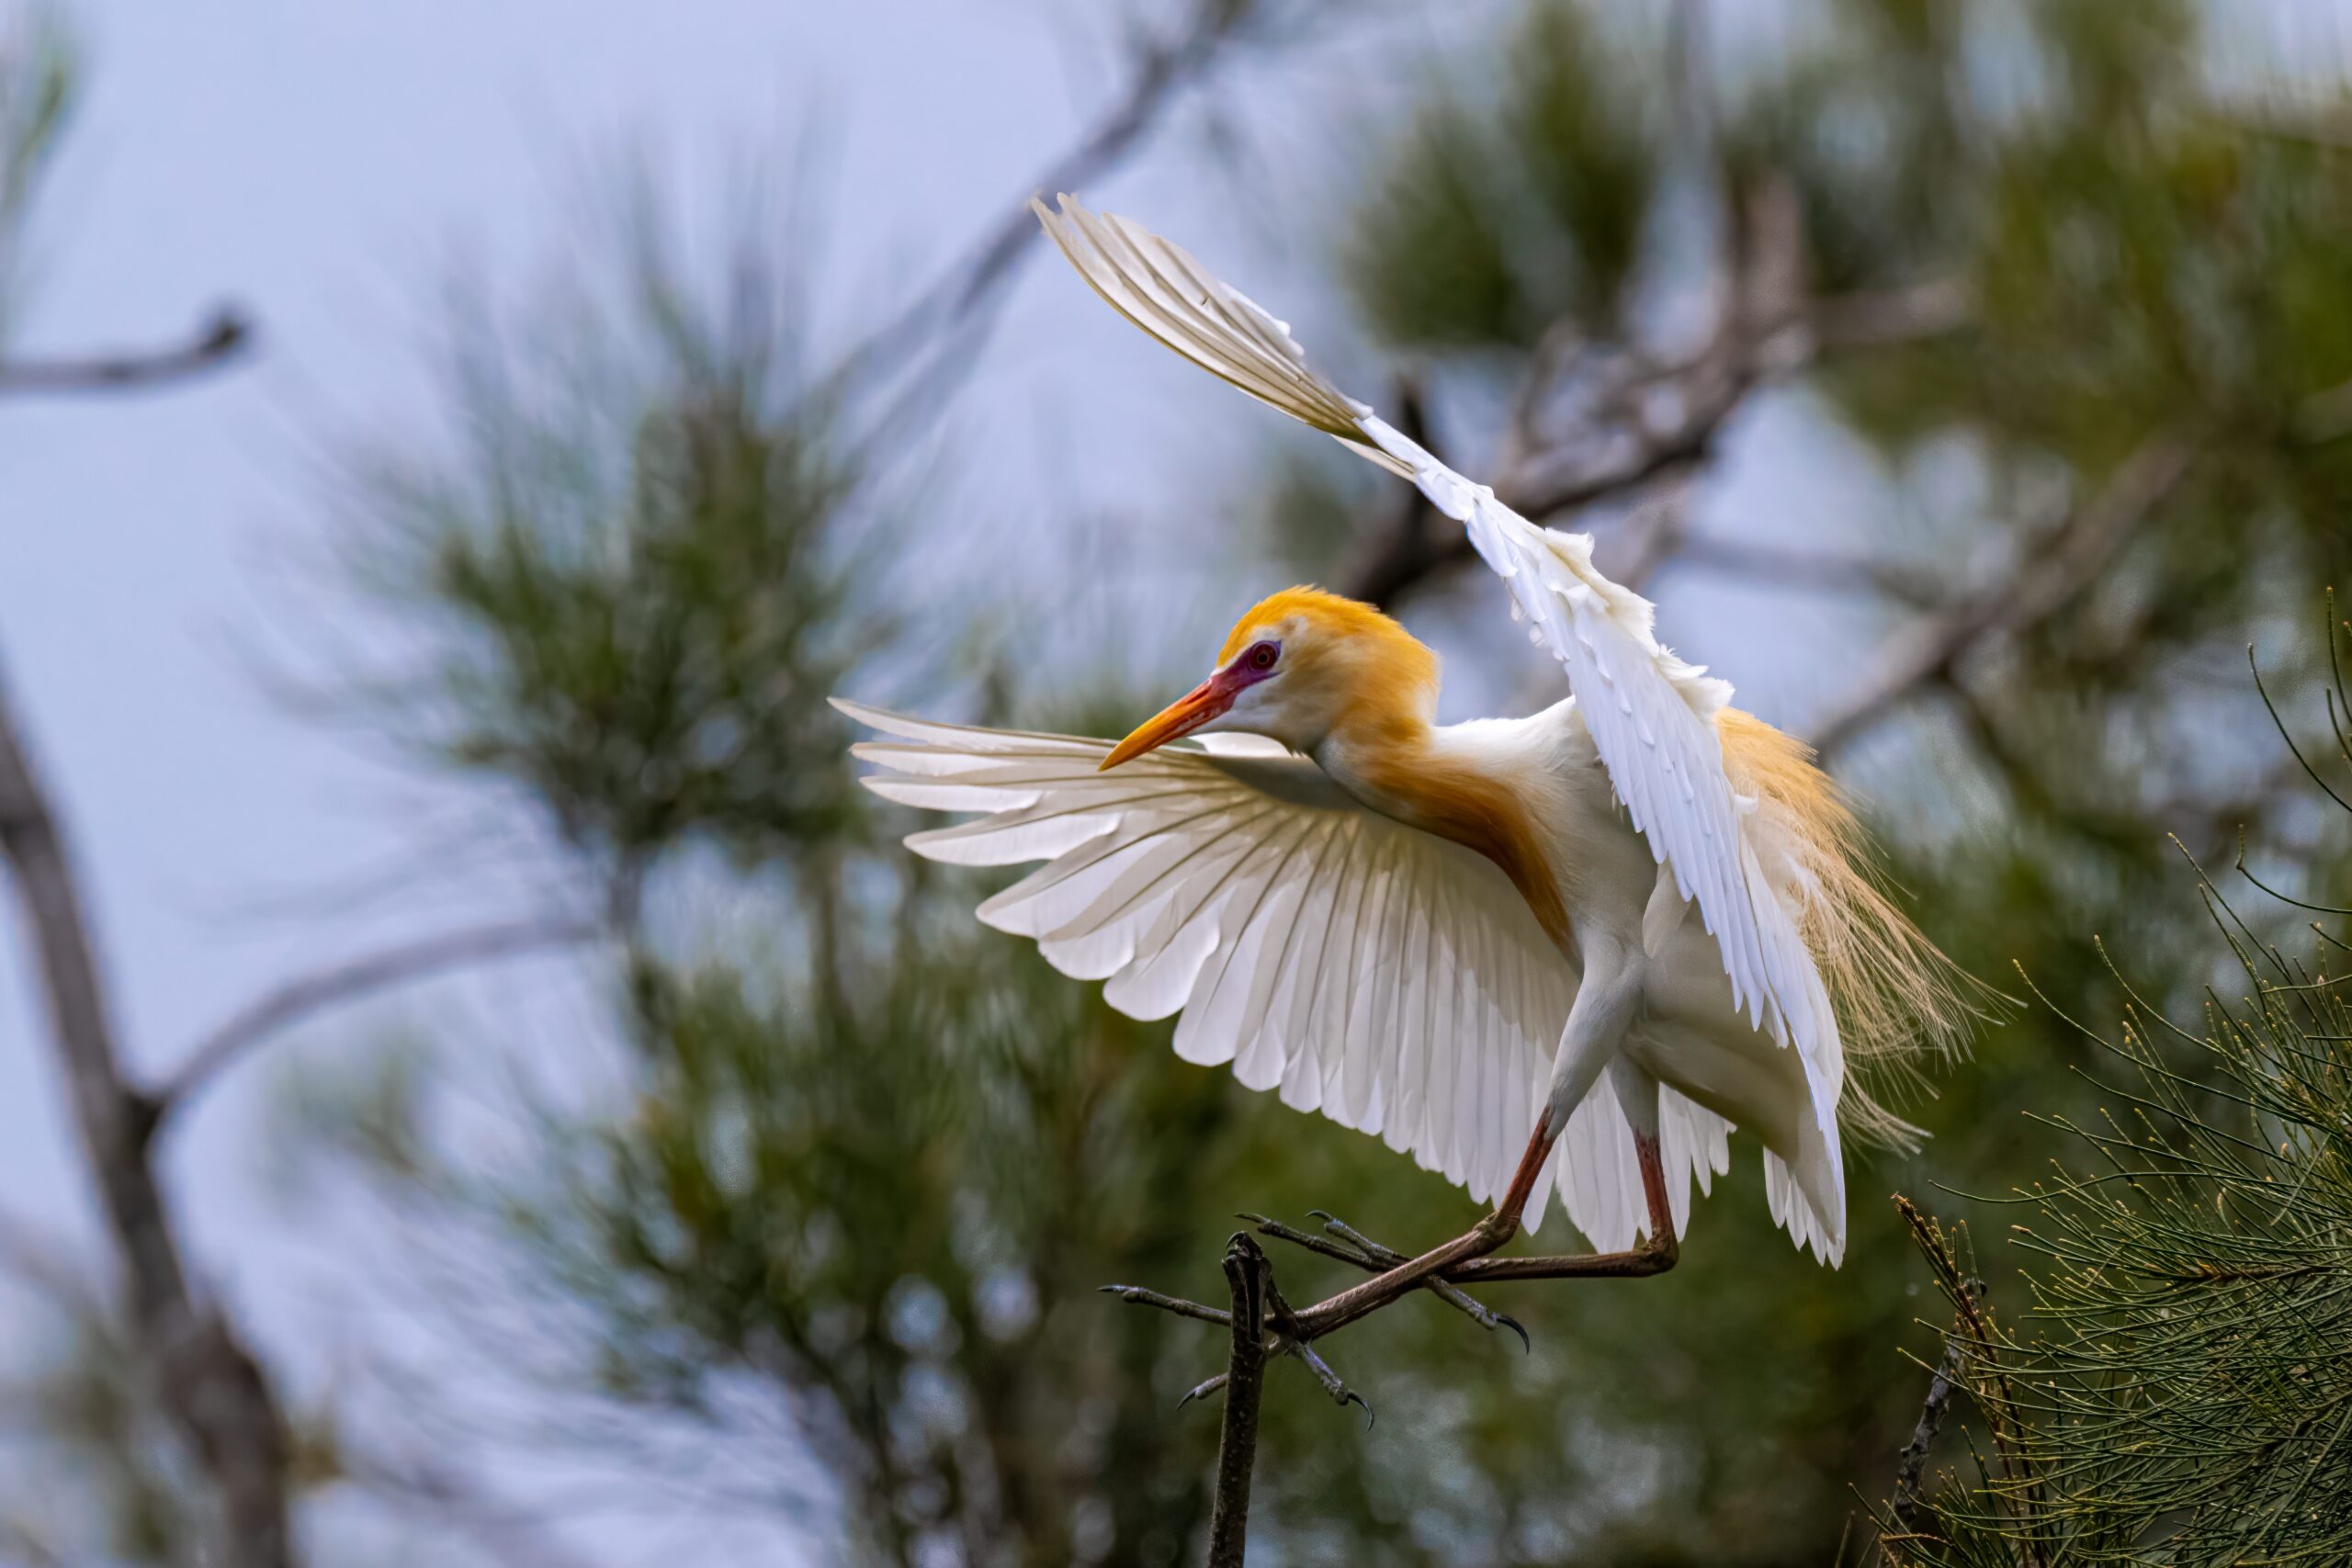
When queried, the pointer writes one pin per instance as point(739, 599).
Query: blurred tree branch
point(224, 336)
point(955, 311)
point(1594, 423)
point(2044, 578)
point(296, 1000)
point(208, 1382)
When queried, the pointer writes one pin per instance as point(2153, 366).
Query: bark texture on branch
point(1249, 1276)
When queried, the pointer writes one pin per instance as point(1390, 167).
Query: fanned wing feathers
point(1167, 294)
point(1391, 979)
point(1652, 715)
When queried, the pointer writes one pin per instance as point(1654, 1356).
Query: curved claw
point(1202, 1391)
point(1352, 1397)
point(1511, 1323)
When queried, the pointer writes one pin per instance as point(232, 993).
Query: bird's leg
point(1451, 1294)
point(1367, 1254)
point(1604, 1009)
point(1338, 1311)
point(1436, 1265)
point(1656, 1254)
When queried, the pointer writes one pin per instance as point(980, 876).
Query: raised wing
point(1391, 979)
point(1652, 715)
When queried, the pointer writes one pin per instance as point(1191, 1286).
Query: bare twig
point(303, 997)
point(207, 1383)
point(1912, 1466)
point(2047, 576)
point(1249, 1276)
point(224, 335)
point(1979, 1366)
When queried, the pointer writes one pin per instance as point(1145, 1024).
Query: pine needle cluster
point(2180, 1390)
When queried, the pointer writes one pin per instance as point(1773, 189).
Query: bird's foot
point(1286, 1335)
point(1136, 1295)
point(1341, 1395)
point(1343, 1241)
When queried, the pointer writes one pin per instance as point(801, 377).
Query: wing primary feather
point(1392, 979)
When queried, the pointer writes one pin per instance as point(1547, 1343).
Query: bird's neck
point(1402, 766)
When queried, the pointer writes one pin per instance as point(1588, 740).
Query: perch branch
point(1249, 1276)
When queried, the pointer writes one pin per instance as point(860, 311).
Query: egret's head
point(1298, 667)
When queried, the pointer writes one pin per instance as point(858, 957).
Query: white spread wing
point(1391, 979)
point(1651, 715)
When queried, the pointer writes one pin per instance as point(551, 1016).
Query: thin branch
point(298, 1000)
point(1911, 1467)
point(224, 336)
point(2046, 577)
point(1891, 316)
point(206, 1382)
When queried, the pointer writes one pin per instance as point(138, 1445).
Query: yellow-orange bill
point(1182, 716)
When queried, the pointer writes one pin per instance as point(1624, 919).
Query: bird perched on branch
point(1599, 937)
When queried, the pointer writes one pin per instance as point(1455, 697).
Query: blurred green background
point(816, 1238)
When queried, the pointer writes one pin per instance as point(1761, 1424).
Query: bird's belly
point(1689, 1035)
point(1748, 1080)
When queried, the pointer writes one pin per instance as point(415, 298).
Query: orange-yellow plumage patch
point(1345, 621)
point(1898, 997)
point(1385, 683)
point(1481, 814)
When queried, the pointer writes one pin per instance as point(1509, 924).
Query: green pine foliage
point(2179, 1390)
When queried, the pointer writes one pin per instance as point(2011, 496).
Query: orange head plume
point(1301, 664)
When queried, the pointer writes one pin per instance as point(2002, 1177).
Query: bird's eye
point(1263, 657)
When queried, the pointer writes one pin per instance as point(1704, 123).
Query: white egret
point(1599, 937)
